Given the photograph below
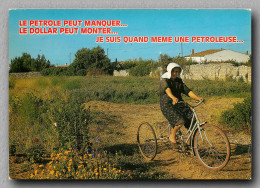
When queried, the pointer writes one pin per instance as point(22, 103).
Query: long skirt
point(175, 114)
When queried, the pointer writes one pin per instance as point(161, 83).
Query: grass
point(33, 100)
point(138, 90)
point(209, 88)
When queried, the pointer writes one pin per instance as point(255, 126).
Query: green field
point(139, 90)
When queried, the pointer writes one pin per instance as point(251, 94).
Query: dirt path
point(181, 166)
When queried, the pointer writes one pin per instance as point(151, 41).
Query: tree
point(164, 60)
point(26, 63)
point(91, 59)
point(181, 61)
point(21, 64)
point(40, 63)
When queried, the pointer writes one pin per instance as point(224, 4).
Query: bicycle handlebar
point(193, 106)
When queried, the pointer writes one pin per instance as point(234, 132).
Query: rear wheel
point(146, 140)
point(212, 147)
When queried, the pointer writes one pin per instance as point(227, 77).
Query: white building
point(218, 55)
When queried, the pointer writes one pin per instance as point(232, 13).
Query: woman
point(171, 88)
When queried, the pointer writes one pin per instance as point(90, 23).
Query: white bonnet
point(170, 66)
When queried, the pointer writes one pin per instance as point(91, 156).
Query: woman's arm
point(169, 93)
point(194, 96)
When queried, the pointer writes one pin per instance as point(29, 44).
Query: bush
point(70, 119)
point(128, 65)
point(58, 117)
point(55, 71)
point(142, 69)
point(239, 117)
point(81, 72)
point(249, 62)
point(35, 153)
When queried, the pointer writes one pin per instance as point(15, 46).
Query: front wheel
point(212, 147)
point(146, 141)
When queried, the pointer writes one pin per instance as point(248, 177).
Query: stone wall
point(25, 74)
point(121, 73)
point(216, 71)
point(219, 71)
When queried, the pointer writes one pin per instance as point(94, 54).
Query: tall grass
point(143, 90)
point(52, 114)
point(208, 88)
point(139, 90)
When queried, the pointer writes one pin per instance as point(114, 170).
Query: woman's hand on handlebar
point(199, 99)
point(194, 96)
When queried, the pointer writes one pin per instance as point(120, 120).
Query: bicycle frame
point(160, 137)
point(194, 125)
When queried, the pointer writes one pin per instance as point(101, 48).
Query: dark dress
point(178, 113)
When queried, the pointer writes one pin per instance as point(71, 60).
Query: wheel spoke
point(212, 147)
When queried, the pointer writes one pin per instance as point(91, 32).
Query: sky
point(61, 48)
